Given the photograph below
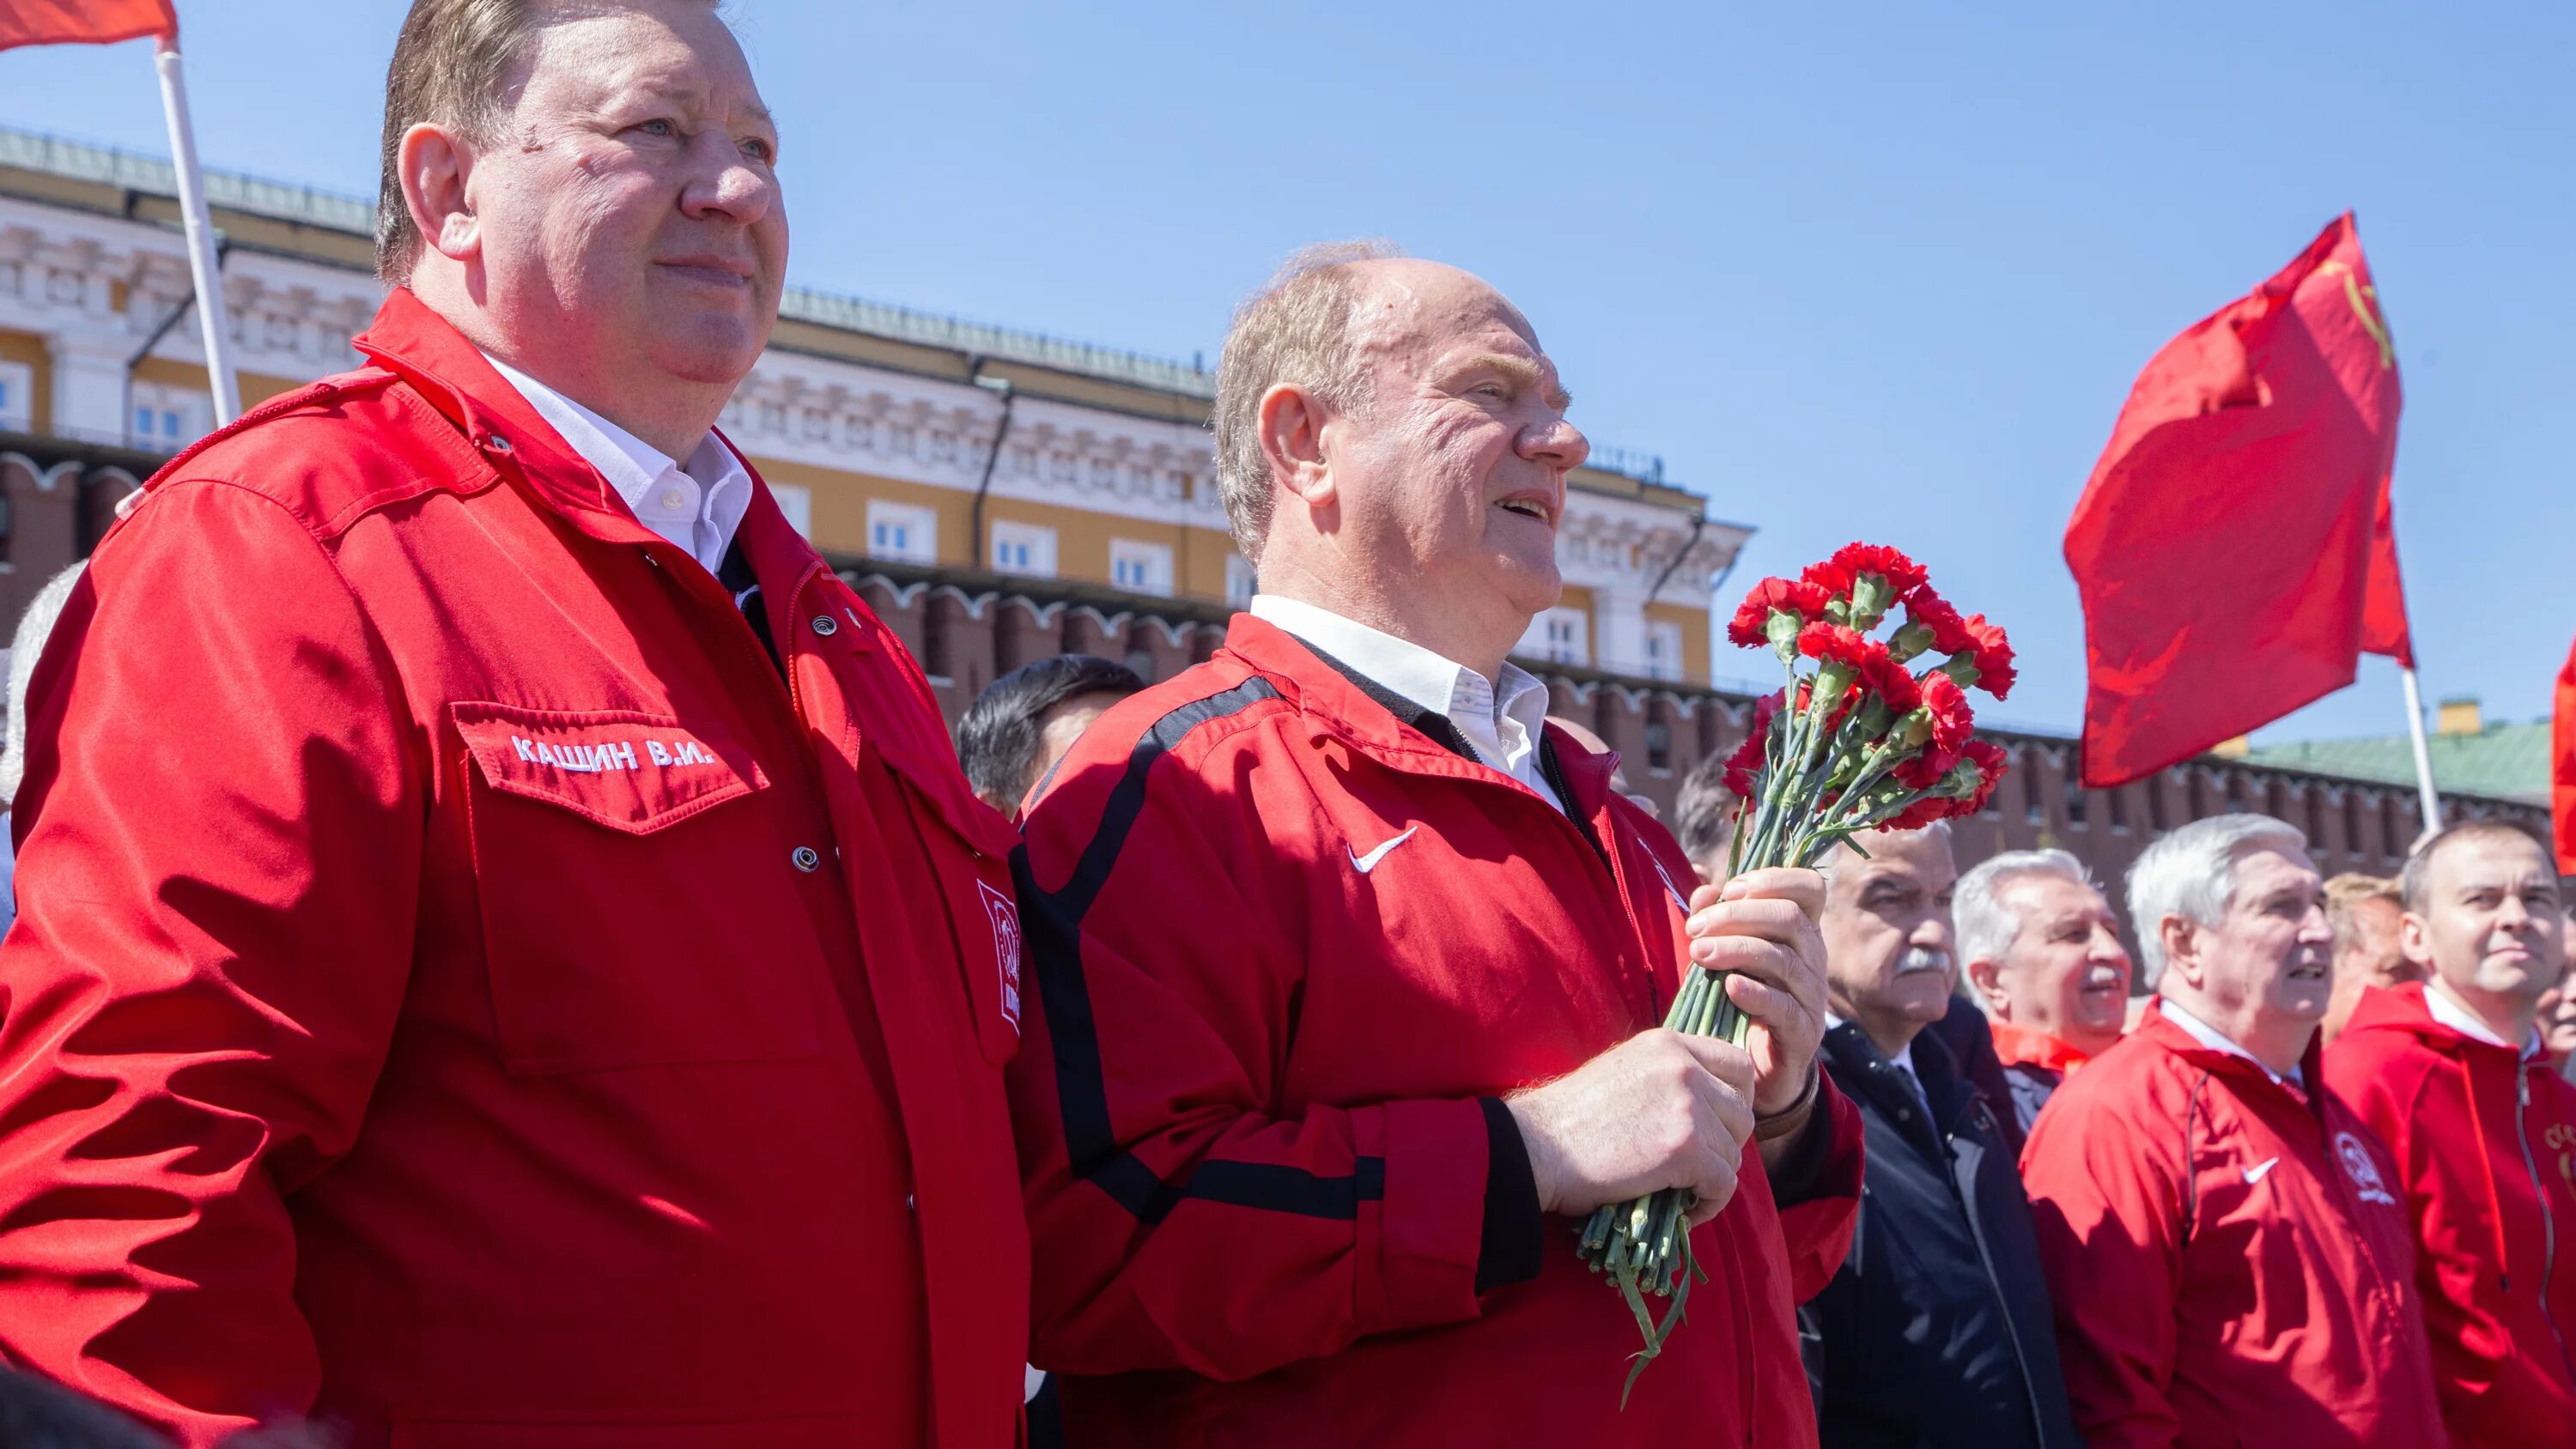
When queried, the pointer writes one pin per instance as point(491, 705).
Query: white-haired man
point(1936, 1330)
point(1351, 967)
point(2229, 1261)
point(2042, 952)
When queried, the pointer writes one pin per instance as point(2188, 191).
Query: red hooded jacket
point(2485, 1142)
point(462, 990)
point(2228, 1260)
point(1285, 943)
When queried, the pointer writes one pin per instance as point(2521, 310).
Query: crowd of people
point(508, 953)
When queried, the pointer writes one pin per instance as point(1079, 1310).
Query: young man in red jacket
point(2452, 1073)
point(482, 984)
point(2228, 1256)
point(1351, 966)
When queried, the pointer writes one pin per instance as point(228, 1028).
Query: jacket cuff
point(1515, 1229)
point(1801, 1173)
point(1426, 1250)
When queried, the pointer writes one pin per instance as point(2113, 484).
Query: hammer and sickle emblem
point(2362, 299)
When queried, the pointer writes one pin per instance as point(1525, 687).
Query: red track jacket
point(2485, 1144)
point(1285, 943)
point(461, 989)
point(2228, 1257)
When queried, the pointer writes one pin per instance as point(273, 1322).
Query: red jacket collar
point(2022, 1046)
point(2156, 1027)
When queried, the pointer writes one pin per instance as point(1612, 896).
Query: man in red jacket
point(481, 984)
point(2453, 1075)
point(2228, 1257)
point(1351, 965)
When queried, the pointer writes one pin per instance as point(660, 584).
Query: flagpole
point(201, 234)
point(2423, 751)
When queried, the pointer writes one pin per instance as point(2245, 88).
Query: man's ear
point(2414, 942)
point(2181, 938)
point(1291, 429)
point(1986, 978)
point(434, 165)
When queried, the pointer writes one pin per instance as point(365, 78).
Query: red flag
point(95, 22)
point(2233, 547)
point(2562, 766)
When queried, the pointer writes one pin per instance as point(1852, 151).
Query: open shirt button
point(807, 859)
point(826, 625)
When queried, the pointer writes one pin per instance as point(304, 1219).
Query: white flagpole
point(2423, 751)
point(201, 234)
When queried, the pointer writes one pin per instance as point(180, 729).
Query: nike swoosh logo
point(1366, 863)
point(2255, 1173)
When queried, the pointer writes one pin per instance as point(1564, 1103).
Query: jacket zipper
point(1985, 1259)
point(2548, 1229)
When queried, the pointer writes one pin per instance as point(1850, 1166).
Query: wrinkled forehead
point(1418, 309)
point(586, 53)
point(2265, 870)
point(2035, 892)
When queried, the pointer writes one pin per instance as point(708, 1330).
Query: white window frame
point(1560, 636)
point(1140, 567)
point(797, 502)
point(193, 413)
point(1021, 548)
point(918, 537)
point(1664, 643)
point(1241, 582)
point(17, 397)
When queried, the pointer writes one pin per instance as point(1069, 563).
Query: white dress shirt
point(2210, 1037)
point(1501, 720)
point(697, 506)
point(2447, 1010)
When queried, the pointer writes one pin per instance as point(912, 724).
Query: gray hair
point(2191, 873)
point(25, 647)
point(1296, 330)
point(1986, 929)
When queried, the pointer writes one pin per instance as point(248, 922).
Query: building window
point(17, 397)
point(1023, 548)
point(1663, 649)
point(2118, 801)
point(1559, 636)
point(2033, 808)
point(798, 504)
point(1240, 583)
point(903, 531)
point(1140, 568)
point(2075, 803)
point(1659, 746)
point(166, 419)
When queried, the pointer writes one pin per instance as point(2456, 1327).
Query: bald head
point(1395, 449)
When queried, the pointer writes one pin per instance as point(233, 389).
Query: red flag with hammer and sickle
point(2234, 548)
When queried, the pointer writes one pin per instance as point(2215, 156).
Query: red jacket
point(2485, 1142)
point(2228, 1259)
point(462, 990)
point(1285, 943)
point(2024, 1046)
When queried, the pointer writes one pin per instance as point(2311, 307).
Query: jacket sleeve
point(2106, 1205)
point(219, 843)
point(1818, 1187)
point(1180, 1215)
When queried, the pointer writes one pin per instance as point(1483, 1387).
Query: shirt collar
point(2448, 1010)
point(1475, 704)
point(2217, 1041)
point(1903, 1060)
point(634, 467)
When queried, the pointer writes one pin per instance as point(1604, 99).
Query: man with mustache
point(509, 956)
point(2043, 955)
point(1936, 1330)
point(2230, 1261)
point(2454, 1074)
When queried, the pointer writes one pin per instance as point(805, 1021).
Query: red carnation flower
point(1840, 644)
point(1949, 631)
point(1992, 654)
point(1952, 720)
point(1893, 682)
point(1991, 762)
point(1774, 596)
point(1903, 574)
point(1923, 771)
point(1752, 754)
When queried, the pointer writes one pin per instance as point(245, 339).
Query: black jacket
point(1937, 1330)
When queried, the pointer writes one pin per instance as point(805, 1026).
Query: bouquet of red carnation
point(1855, 740)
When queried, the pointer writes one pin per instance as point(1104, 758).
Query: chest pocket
point(636, 905)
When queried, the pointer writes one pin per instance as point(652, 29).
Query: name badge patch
point(1004, 913)
point(627, 770)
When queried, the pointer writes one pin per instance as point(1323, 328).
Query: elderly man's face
point(1451, 476)
point(2269, 958)
point(1889, 952)
point(2065, 972)
point(2491, 923)
point(627, 213)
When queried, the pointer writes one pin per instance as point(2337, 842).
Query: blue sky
point(1852, 271)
